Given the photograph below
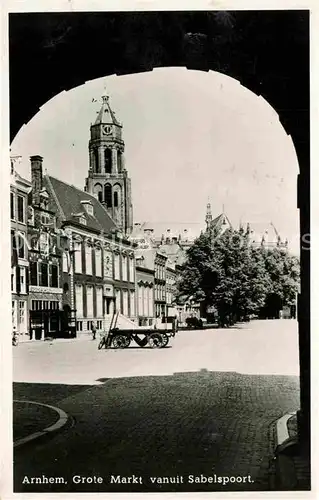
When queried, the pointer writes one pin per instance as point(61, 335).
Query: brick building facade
point(45, 261)
point(98, 265)
point(145, 285)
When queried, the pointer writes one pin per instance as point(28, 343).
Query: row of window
point(85, 295)
point(18, 244)
point(111, 198)
point(44, 274)
point(19, 315)
point(160, 292)
point(44, 305)
point(18, 279)
point(145, 301)
point(88, 260)
point(17, 208)
point(44, 242)
point(125, 302)
point(123, 266)
point(160, 272)
point(107, 160)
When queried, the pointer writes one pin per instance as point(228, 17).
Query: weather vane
point(105, 96)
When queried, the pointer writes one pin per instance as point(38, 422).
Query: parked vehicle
point(120, 338)
point(194, 322)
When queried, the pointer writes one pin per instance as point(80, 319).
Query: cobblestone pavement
point(202, 408)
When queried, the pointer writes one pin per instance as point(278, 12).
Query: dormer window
point(45, 219)
point(80, 217)
point(88, 206)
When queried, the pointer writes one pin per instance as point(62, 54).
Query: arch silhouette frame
point(267, 51)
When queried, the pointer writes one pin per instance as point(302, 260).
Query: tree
point(222, 271)
point(225, 271)
point(284, 272)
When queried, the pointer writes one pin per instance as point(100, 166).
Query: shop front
point(46, 316)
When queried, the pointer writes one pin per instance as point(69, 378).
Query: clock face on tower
point(107, 130)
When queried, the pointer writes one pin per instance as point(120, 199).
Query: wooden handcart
point(120, 338)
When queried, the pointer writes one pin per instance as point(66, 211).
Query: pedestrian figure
point(14, 336)
point(93, 331)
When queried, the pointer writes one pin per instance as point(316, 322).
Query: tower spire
point(209, 217)
point(107, 177)
point(106, 115)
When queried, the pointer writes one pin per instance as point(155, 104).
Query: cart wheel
point(102, 343)
point(155, 340)
point(127, 340)
point(120, 341)
point(165, 340)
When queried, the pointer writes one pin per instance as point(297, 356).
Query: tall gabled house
point(98, 265)
point(47, 318)
point(19, 190)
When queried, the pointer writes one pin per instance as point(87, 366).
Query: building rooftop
point(70, 202)
point(221, 222)
point(266, 233)
point(187, 231)
point(106, 114)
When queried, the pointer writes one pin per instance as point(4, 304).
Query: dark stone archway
point(267, 51)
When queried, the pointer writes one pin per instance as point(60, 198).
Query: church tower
point(107, 177)
point(209, 217)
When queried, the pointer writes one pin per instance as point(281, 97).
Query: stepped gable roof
point(266, 232)
point(106, 115)
point(69, 200)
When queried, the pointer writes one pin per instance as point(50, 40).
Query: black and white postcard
point(157, 272)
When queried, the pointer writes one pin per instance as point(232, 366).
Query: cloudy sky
point(190, 137)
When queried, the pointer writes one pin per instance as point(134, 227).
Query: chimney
point(36, 178)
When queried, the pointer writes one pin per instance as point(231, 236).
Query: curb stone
point(54, 341)
point(61, 422)
point(285, 469)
